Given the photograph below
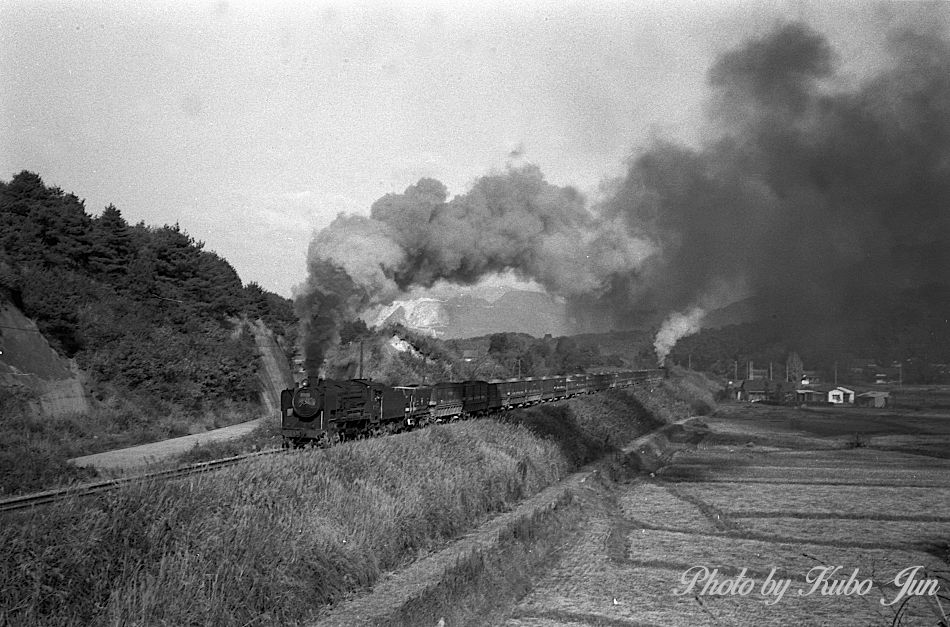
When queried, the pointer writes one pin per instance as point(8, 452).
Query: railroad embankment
point(282, 539)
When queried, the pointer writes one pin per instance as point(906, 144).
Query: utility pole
point(361, 359)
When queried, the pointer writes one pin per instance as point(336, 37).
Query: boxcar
point(534, 391)
point(575, 384)
point(446, 401)
point(511, 393)
point(475, 397)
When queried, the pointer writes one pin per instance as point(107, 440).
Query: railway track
point(89, 489)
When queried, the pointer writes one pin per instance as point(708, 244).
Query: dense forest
point(145, 311)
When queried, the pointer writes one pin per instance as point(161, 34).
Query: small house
point(873, 399)
point(841, 395)
point(811, 396)
point(753, 390)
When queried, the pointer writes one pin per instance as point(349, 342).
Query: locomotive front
point(305, 415)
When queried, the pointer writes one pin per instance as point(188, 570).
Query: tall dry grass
point(274, 539)
point(270, 540)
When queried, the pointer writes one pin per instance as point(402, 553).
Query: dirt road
point(775, 497)
point(137, 456)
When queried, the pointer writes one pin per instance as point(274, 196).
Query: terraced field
point(767, 494)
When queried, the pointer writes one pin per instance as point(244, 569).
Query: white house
point(841, 395)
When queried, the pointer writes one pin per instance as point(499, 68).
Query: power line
point(4, 326)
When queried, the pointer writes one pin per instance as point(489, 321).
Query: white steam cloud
point(677, 326)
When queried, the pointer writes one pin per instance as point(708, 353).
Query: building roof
point(875, 394)
point(755, 385)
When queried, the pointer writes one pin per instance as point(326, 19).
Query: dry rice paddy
point(780, 491)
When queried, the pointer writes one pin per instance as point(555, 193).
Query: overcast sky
point(253, 123)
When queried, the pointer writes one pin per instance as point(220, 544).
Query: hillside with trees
point(152, 318)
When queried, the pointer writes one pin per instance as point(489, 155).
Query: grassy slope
point(34, 449)
point(274, 539)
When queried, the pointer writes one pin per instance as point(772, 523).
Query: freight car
point(322, 411)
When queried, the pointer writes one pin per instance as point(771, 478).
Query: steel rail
point(88, 489)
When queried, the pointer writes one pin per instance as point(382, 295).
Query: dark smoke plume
point(823, 203)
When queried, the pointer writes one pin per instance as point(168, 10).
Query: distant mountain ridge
point(516, 311)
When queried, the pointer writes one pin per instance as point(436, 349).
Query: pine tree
point(112, 246)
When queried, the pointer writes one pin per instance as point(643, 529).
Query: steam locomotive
point(322, 411)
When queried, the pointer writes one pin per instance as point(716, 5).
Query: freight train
point(322, 411)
